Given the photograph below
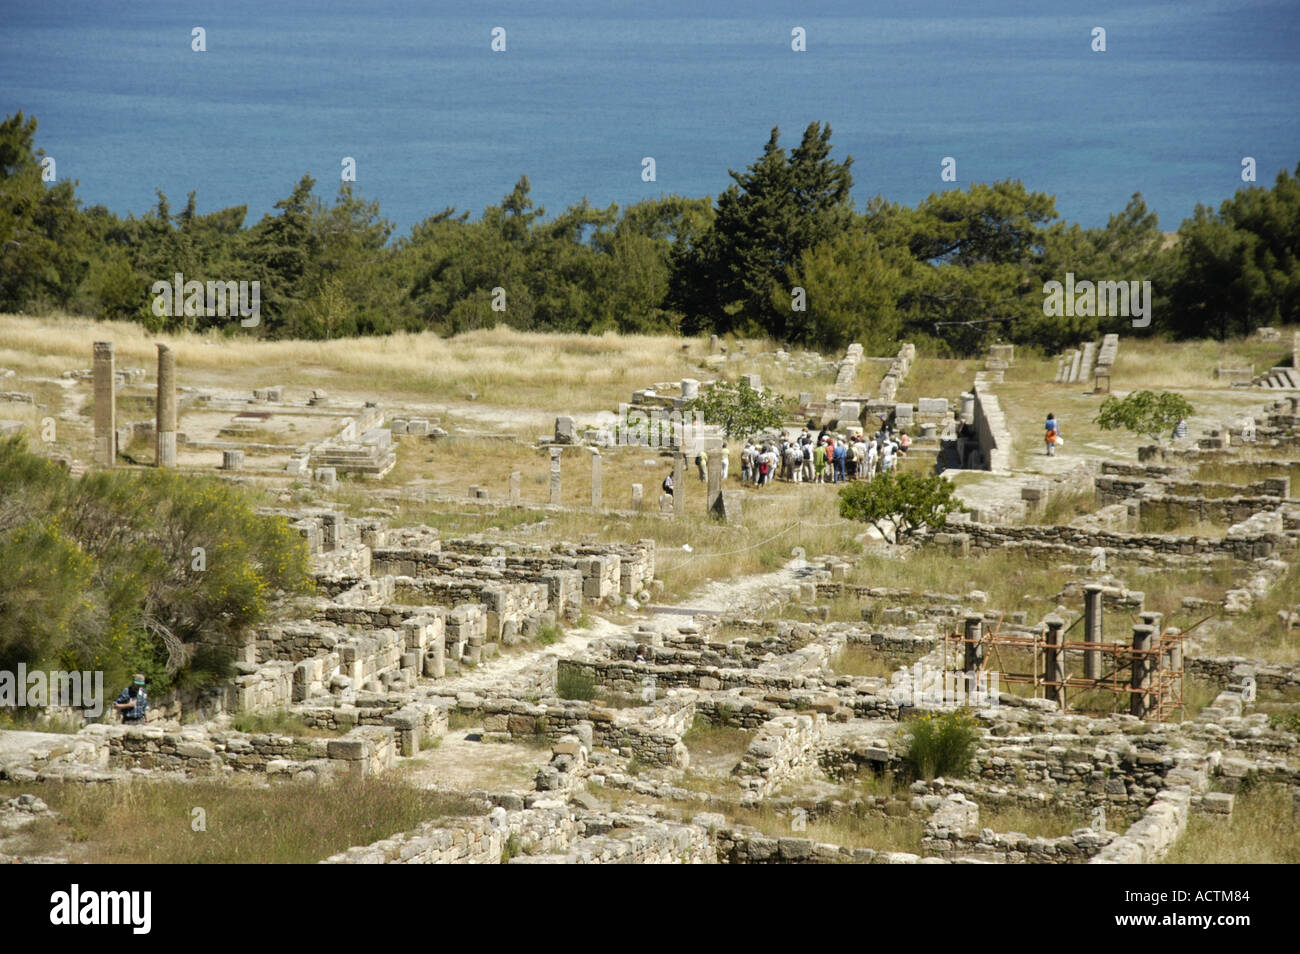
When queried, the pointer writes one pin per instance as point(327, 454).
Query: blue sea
point(586, 89)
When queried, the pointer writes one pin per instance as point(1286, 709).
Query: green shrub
point(571, 683)
point(144, 571)
point(549, 635)
point(513, 848)
point(1286, 721)
point(941, 744)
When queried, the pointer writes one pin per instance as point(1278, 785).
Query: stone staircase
point(1087, 361)
point(1287, 379)
point(1093, 360)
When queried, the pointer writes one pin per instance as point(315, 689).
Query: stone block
point(730, 505)
point(349, 750)
point(565, 432)
point(1218, 803)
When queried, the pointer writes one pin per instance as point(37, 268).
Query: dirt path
point(462, 762)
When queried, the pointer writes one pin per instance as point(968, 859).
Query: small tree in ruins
point(898, 505)
point(737, 408)
point(1144, 412)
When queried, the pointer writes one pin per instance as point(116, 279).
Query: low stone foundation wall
point(782, 747)
point(467, 841)
point(553, 834)
point(365, 751)
point(654, 739)
point(1242, 547)
point(953, 832)
point(1226, 670)
point(744, 846)
point(507, 605)
point(1172, 510)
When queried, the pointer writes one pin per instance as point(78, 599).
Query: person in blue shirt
point(133, 701)
point(1051, 431)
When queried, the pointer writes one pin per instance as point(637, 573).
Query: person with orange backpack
point(1052, 435)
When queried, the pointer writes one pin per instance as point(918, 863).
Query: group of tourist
point(827, 458)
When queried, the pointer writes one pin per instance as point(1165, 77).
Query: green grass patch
point(1260, 831)
point(463, 720)
point(849, 830)
point(1047, 821)
point(278, 722)
point(856, 659)
point(245, 823)
point(709, 740)
point(573, 683)
point(1061, 508)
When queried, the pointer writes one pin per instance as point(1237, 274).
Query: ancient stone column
point(595, 480)
point(968, 407)
point(1092, 629)
point(515, 478)
point(105, 405)
point(1141, 672)
point(679, 485)
point(1054, 659)
point(715, 480)
point(974, 656)
point(555, 476)
point(1175, 655)
point(638, 492)
point(165, 406)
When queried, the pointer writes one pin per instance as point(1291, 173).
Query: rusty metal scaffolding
point(1148, 670)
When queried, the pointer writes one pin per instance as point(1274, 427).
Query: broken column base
point(727, 507)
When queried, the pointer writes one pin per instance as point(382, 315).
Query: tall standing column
point(1174, 657)
point(555, 476)
point(1054, 660)
point(165, 406)
point(974, 655)
point(1141, 678)
point(105, 405)
point(679, 485)
point(595, 479)
point(1092, 629)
